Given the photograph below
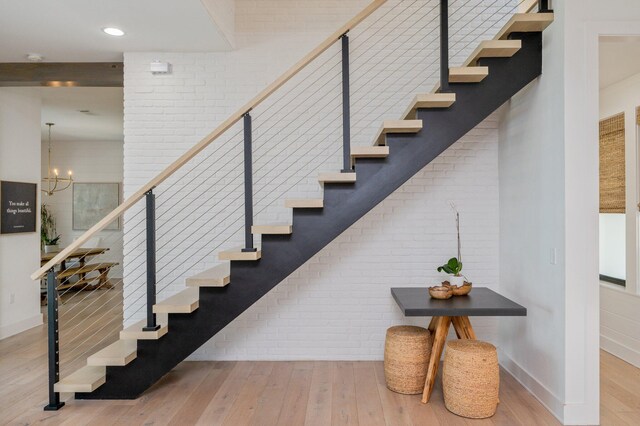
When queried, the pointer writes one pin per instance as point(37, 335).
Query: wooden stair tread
point(218, 276)
point(376, 151)
point(429, 100)
point(274, 229)
point(238, 254)
point(525, 23)
point(85, 269)
point(304, 203)
point(397, 126)
point(119, 353)
point(135, 332)
point(370, 151)
point(336, 177)
point(86, 379)
point(494, 49)
point(184, 302)
point(467, 74)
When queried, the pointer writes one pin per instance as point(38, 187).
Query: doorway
point(619, 99)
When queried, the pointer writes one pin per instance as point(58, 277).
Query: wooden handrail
point(234, 118)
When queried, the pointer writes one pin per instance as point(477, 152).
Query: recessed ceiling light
point(113, 31)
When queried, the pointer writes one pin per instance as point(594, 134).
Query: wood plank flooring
point(267, 393)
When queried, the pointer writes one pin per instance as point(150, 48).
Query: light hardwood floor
point(269, 393)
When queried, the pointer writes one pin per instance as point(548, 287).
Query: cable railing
point(271, 149)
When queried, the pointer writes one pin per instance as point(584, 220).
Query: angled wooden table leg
point(439, 338)
point(457, 326)
point(463, 328)
point(432, 324)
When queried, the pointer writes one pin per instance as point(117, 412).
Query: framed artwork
point(19, 207)
point(92, 202)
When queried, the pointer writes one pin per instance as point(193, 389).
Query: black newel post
point(150, 199)
point(444, 46)
point(53, 341)
point(346, 107)
point(248, 186)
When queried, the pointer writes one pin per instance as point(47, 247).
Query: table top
point(77, 253)
point(416, 302)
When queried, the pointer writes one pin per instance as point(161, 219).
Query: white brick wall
point(297, 133)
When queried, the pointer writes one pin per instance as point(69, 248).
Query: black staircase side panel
point(313, 229)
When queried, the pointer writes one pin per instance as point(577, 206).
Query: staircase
point(495, 71)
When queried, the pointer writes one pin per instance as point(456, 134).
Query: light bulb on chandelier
point(53, 180)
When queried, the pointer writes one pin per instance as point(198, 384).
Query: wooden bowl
point(463, 290)
point(440, 292)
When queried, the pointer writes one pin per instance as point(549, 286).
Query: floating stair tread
point(369, 151)
point(304, 203)
point(218, 276)
point(467, 74)
point(429, 100)
point(525, 23)
point(494, 49)
point(119, 353)
point(238, 254)
point(135, 331)
point(275, 229)
point(397, 126)
point(337, 177)
point(184, 302)
point(86, 379)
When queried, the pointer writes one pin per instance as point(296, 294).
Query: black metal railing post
point(444, 45)
point(53, 331)
point(248, 186)
point(150, 199)
point(346, 107)
point(543, 6)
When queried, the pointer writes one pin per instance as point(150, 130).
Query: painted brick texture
point(338, 305)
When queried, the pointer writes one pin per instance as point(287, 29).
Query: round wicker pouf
point(471, 378)
point(406, 357)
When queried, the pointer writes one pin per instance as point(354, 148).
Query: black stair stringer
point(313, 229)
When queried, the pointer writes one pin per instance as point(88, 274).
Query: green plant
point(48, 227)
point(452, 267)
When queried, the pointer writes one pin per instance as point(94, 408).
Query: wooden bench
point(82, 271)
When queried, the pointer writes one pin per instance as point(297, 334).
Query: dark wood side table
point(481, 302)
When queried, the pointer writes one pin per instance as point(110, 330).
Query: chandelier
point(53, 180)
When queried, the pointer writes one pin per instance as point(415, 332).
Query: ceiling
point(62, 106)
point(619, 58)
point(71, 30)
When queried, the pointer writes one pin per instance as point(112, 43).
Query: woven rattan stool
point(406, 357)
point(471, 378)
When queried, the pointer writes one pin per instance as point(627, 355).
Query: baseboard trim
point(620, 350)
point(537, 389)
point(20, 326)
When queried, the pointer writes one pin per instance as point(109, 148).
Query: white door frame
point(582, 289)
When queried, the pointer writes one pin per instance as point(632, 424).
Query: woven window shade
point(612, 165)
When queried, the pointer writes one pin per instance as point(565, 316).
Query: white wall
point(620, 307)
point(19, 253)
point(398, 243)
point(93, 162)
point(584, 21)
point(620, 323)
point(532, 228)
